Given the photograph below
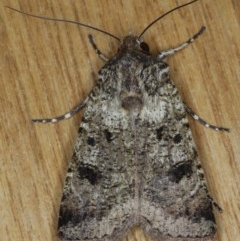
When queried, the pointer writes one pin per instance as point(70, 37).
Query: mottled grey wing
point(174, 205)
point(97, 202)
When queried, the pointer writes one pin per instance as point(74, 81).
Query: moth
point(135, 161)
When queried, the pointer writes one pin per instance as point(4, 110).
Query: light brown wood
point(48, 67)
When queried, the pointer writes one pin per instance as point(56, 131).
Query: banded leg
point(203, 122)
point(99, 53)
point(165, 53)
point(63, 117)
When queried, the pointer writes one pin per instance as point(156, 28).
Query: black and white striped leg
point(168, 52)
point(203, 122)
point(99, 53)
point(62, 117)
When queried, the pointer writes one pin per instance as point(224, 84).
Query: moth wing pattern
point(135, 162)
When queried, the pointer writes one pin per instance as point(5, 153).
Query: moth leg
point(203, 122)
point(99, 53)
point(171, 51)
point(64, 116)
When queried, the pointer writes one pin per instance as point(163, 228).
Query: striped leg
point(99, 53)
point(63, 117)
point(203, 122)
point(165, 53)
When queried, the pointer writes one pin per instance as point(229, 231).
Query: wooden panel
point(48, 67)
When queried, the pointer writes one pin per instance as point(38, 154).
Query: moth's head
point(132, 42)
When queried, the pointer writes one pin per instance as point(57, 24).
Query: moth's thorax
point(131, 95)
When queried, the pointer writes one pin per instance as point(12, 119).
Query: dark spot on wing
point(91, 141)
point(177, 138)
point(108, 135)
point(161, 133)
point(181, 170)
point(204, 211)
point(92, 175)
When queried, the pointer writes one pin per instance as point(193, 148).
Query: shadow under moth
point(135, 162)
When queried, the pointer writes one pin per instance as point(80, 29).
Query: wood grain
point(48, 67)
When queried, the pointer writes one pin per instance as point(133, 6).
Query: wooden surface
point(48, 67)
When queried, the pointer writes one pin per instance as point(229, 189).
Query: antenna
point(66, 21)
point(162, 16)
